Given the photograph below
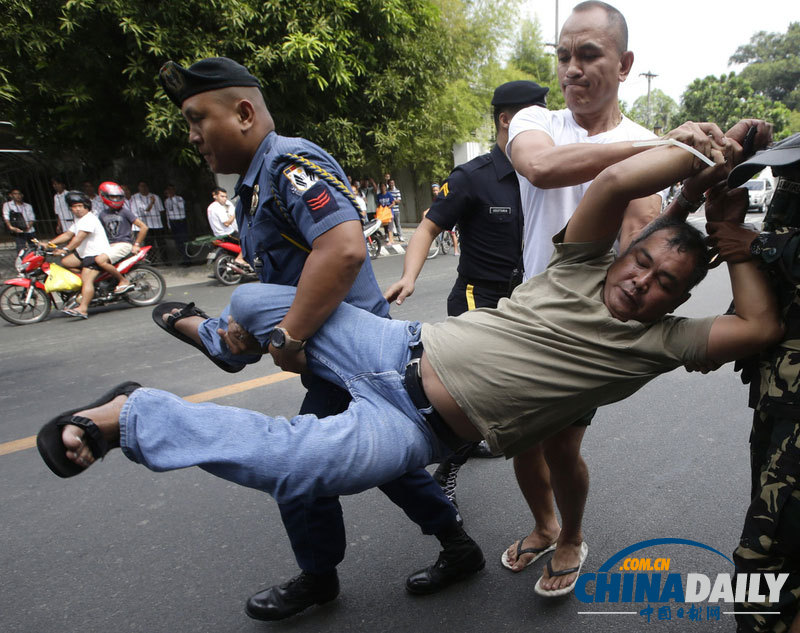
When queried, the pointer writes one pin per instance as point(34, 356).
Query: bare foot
point(106, 417)
point(187, 325)
point(537, 539)
point(567, 556)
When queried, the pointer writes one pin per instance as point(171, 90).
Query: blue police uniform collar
point(502, 166)
point(249, 179)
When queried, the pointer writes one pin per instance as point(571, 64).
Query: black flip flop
point(51, 446)
point(187, 310)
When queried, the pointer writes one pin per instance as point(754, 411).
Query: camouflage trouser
point(770, 539)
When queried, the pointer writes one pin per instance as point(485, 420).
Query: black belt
point(497, 286)
point(413, 385)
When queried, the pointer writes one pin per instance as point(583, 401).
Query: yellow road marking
point(18, 445)
point(204, 396)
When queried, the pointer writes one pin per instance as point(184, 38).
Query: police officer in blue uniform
point(482, 197)
point(299, 225)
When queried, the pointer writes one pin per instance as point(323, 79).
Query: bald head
point(227, 126)
point(615, 21)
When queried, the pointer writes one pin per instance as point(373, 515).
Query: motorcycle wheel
point(149, 286)
point(223, 271)
point(14, 309)
point(374, 246)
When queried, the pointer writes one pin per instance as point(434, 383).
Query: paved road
point(123, 549)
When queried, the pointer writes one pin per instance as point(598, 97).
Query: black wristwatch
point(761, 248)
point(281, 339)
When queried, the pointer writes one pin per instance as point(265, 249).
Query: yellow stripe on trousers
point(470, 297)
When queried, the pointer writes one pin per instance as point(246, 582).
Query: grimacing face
point(590, 66)
point(649, 281)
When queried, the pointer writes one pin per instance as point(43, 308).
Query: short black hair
point(615, 20)
point(685, 239)
point(217, 190)
point(510, 110)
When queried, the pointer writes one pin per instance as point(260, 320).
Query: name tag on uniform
point(499, 211)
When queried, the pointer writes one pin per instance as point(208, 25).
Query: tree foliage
point(773, 65)
point(363, 78)
point(530, 58)
point(728, 98)
point(663, 110)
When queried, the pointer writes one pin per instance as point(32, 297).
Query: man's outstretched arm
point(599, 214)
point(756, 324)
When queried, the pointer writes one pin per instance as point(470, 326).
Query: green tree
point(529, 57)
point(773, 65)
point(355, 76)
point(662, 110)
point(726, 99)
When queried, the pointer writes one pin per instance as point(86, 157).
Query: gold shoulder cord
point(322, 173)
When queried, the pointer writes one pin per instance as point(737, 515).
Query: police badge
point(254, 200)
point(301, 179)
point(172, 79)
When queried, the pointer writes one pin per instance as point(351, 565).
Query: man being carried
point(589, 331)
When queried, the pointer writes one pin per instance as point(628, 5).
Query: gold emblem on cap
point(254, 200)
point(172, 78)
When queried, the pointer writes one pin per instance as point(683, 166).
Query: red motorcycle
point(223, 262)
point(24, 299)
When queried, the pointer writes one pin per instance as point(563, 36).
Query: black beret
point(211, 73)
point(519, 93)
point(787, 152)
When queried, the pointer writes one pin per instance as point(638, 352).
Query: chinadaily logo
point(642, 581)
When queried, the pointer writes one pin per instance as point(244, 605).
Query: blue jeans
point(305, 462)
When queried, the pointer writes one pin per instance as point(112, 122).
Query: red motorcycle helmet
point(111, 194)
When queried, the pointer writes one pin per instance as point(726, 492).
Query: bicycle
point(443, 242)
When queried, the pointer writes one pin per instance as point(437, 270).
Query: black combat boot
point(301, 592)
point(459, 559)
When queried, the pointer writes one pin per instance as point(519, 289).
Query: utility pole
point(555, 45)
point(649, 76)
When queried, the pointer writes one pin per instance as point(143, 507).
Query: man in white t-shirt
point(84, 242)
point(557, 154)
point(221, 213)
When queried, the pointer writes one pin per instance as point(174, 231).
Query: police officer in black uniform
point(482, 197)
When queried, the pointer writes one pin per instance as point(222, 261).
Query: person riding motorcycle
point(84, 241)
point(118, 221)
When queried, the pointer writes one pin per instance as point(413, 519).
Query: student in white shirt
point(19, 218)
point(176, 220)
point(221, 214)
point(64, 217)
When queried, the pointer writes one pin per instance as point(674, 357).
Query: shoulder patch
point(320, 201)
point(445, 190)
point(300, 179)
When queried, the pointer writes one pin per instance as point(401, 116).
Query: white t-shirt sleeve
point(535, 118)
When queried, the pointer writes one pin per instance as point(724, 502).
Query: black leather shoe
point(293, 596)
point(460, 559)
